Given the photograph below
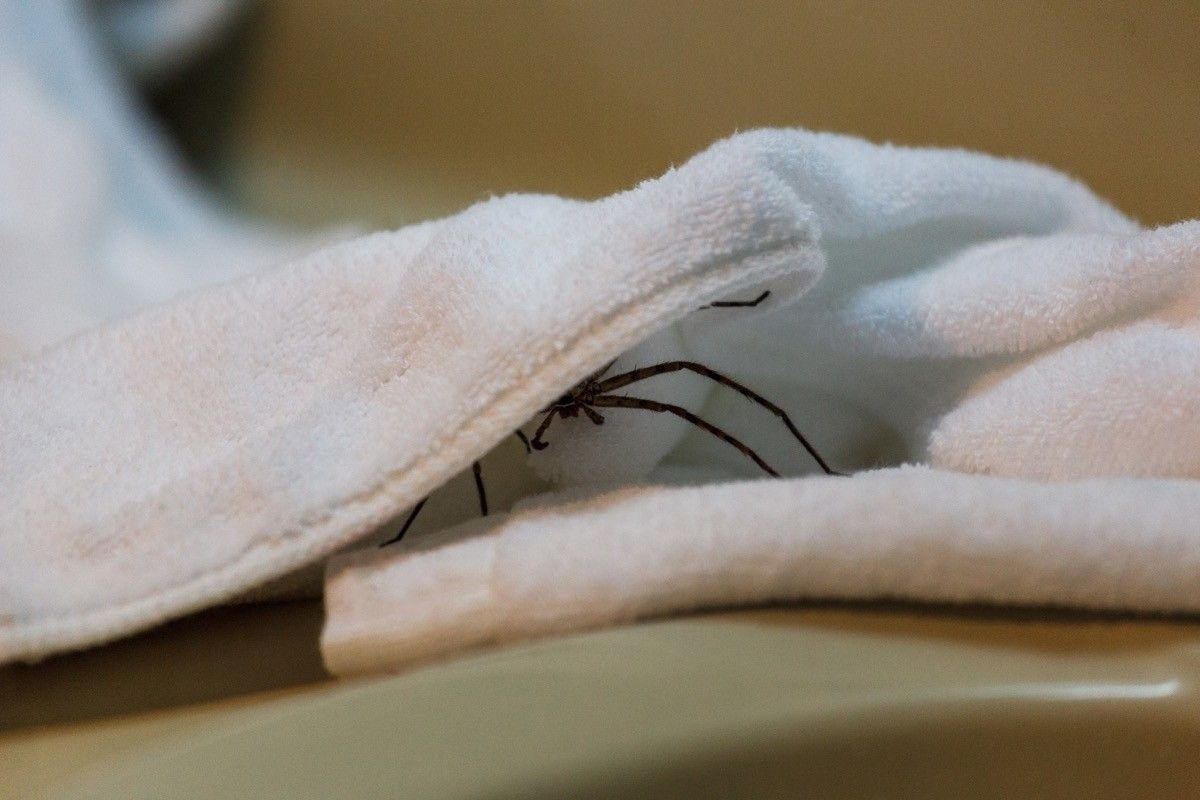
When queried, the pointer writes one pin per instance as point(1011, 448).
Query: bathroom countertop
point(850, 699)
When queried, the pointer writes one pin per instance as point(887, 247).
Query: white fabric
point(178, 457)
point(911, 533)
point(983, 315)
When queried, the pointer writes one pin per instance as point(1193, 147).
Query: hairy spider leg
point(621, 401)
point(634, 376)
point(595, 376)
point(564, 411)
point(412, 517)
point(738, 303)
point(477, 472)
point(536, 441)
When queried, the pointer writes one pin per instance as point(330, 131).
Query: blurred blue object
point(154, 38)
point(98, 216)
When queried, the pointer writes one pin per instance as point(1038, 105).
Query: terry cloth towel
point(907, 532)
point(975, 313)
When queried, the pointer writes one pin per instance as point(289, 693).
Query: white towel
point(179, 457)
point(910, 533)
point(980, 315)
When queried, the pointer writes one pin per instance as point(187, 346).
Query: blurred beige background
point(394, 111)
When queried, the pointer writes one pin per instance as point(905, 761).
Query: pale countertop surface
point(162, 714)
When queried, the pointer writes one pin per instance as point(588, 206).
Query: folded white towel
point(181, 456)
point(911, 533)
point(176, 458)
point(1020, 328)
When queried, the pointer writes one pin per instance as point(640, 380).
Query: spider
point(595, 391)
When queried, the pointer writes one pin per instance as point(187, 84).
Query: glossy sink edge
point(731, 706)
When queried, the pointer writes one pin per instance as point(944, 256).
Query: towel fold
point(181, 456)
point(981, 315)
point(909, 533)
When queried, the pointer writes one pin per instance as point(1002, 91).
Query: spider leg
point(524, 440)
point(738, 303)
point(412, 517)
point(633, 376)
point(477, 471)
point(619, 401)
point(536, 441)
point(595, 376)
point(592, 414)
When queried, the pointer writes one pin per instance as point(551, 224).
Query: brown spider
point(594, 392)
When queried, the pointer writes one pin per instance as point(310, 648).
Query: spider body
point(580, 399)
